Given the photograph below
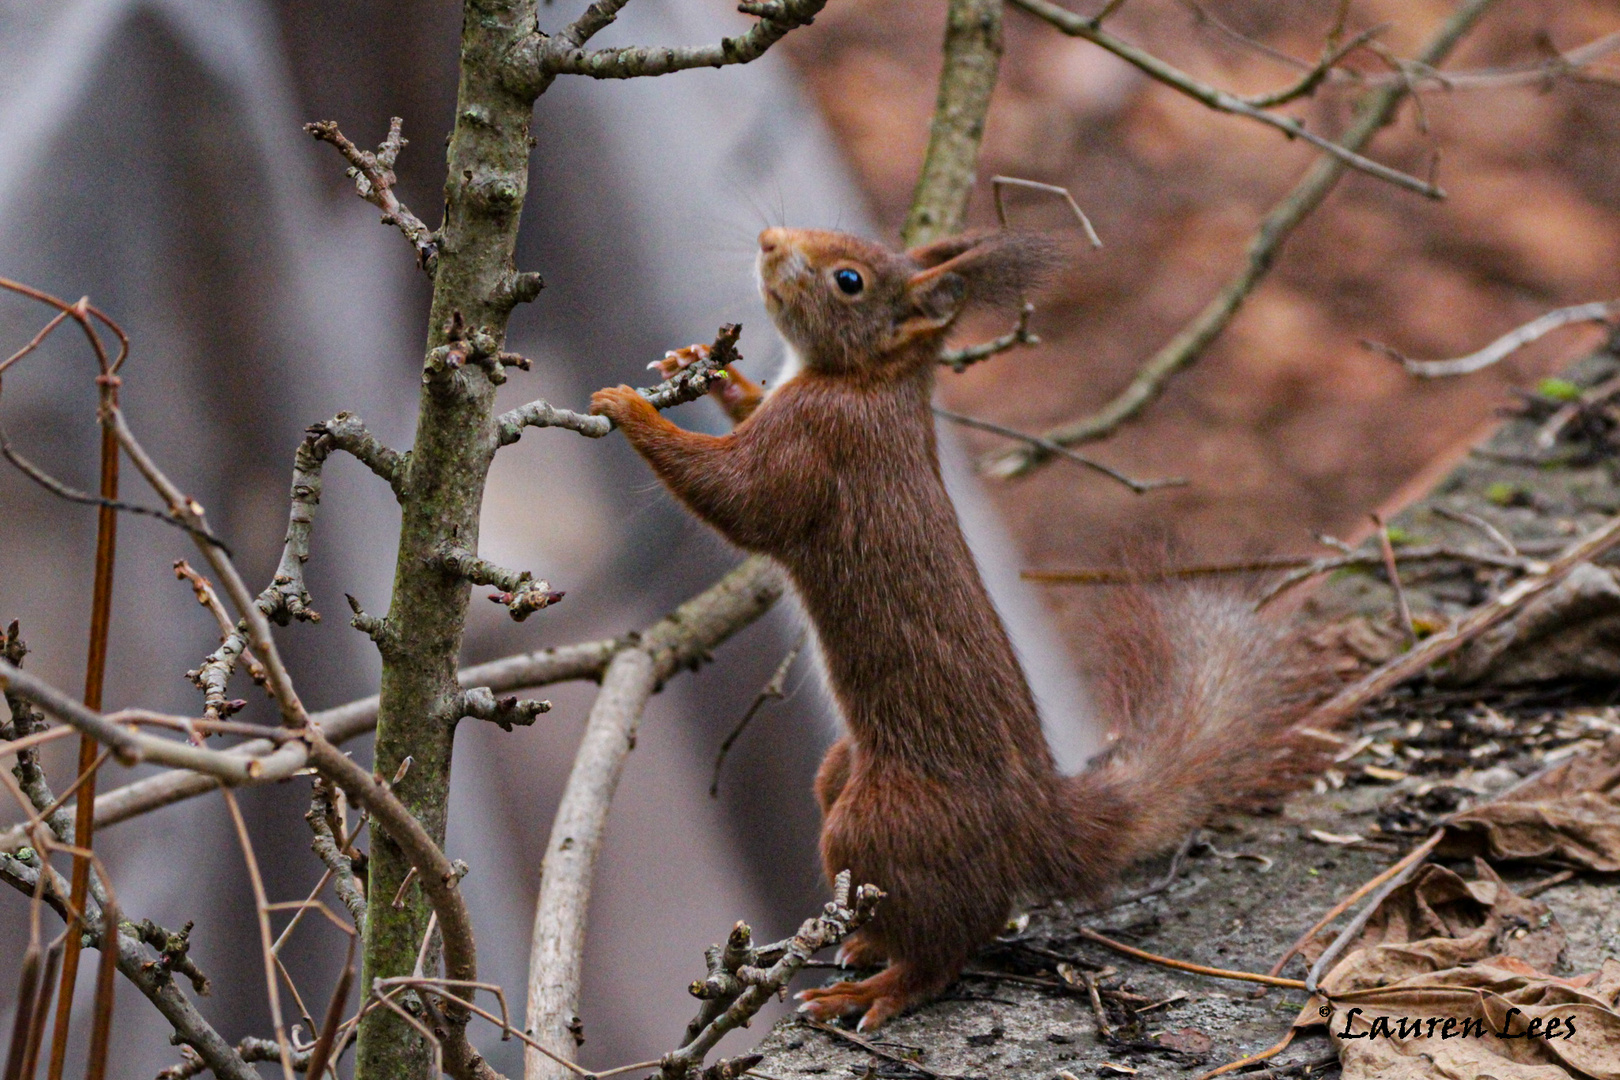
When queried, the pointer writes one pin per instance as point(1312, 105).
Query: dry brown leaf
point(1482, 1001)
point(1569, 816)
point(1438, 921)
point(1188, 1040)
point(1445, 968)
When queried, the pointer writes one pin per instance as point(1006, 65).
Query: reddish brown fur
point(944, 792)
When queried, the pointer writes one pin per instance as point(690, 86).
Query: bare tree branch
point(1140, 487)
point(681, 640)
point(279, 760)
point(688, 384)
point(738, 984)
point(959, 360)
point(564, 56)
point(1375, 110)
point(374, 179)
point(557, 955)
point(1219, 100)
point(152, 979)
point(1507, 344)
point(972, 62)
point(521, 594)
point(1571, 64)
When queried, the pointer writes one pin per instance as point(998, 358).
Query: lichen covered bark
point(475, 289)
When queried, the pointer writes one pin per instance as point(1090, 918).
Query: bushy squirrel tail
point(1202, 699)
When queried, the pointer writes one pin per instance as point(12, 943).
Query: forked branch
point(564, 55)
point(373, 175)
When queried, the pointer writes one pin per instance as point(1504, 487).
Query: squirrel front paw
point(621, 404)
point(679, 360)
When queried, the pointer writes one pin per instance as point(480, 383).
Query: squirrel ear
point(945, 249)
point(935, 298)
point(979, 268)
point(1002, 267)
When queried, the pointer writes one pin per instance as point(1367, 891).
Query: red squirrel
point(943, 792)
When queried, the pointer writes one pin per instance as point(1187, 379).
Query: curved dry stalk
point(1506, 345)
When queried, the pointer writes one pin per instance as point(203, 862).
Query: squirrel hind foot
point(878, 999)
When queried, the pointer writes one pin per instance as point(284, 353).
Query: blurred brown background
point(1287, 427)
point(150, 155)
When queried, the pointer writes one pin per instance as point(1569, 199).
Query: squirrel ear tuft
point(995, 268)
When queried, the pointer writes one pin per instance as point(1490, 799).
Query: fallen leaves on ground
point(1566, 816)
point(1450, 978)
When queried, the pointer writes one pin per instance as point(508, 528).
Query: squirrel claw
point(875, 999)
point(677, 360)
point(857, 952)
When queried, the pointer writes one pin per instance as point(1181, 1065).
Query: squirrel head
point(848, 305)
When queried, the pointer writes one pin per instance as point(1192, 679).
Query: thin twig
point(727, 607)
point(1157, 887)
point(1474, 521)
point(1412, 857)
point(1140, 487)
point(1403, 870)
point(84, 498)
point(1567, 65)
point(1536, 888)
point(688, 384)
point(1547, 434)
point(1504, 346)
point(560, 56)
point(1075, 26)
point(773, 690)
point(1303, 566)
point(873, 1048)
point(321, 1052)
point(1104, 1031)
point(1402, 610)
point(738, 983)
point(373, 175)
point(1373, 112)
point(1242, 1063)
point(1437, 646)
point(959, 360)
point(267, 953)
point(1182, 965)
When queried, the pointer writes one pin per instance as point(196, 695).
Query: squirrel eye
point(849, 281)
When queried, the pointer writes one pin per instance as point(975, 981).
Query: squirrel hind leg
point(861, 951)
point(833, 774)
point(878, 999)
